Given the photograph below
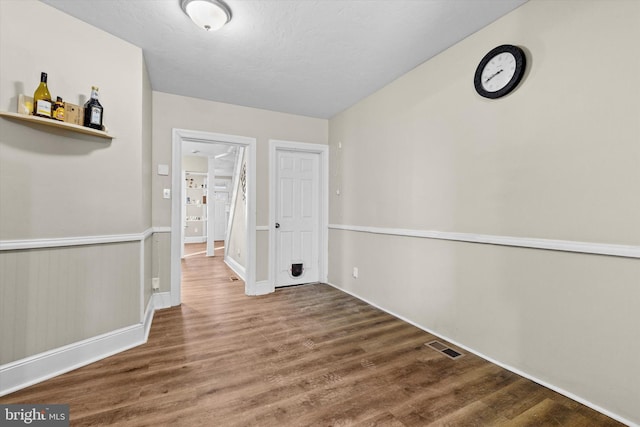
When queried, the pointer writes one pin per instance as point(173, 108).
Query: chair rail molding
point(627, 251)
point(12, 245)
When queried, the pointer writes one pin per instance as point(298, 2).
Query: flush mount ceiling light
point(208, 14)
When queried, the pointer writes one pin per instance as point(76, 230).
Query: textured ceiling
point(308, 57)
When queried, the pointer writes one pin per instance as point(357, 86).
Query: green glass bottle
point(42, 98)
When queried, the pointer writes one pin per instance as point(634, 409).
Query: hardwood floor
point(304, 356)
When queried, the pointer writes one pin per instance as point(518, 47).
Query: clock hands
point(499, 72)
point(492, 76)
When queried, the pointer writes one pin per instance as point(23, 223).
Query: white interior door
point(297, 217)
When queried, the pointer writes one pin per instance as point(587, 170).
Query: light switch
point(166, 193)
point(163, 170)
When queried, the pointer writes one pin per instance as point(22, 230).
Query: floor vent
point(449, 352)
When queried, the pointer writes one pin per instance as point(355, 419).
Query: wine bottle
point(42, 98)
point(93, 111)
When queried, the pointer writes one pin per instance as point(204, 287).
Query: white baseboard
point(161, 300)
point(148, 318)
point(257, 288)
point(31, 370)
point(496, 362)
point(261, 288)
point(236, 267)
point(195, 239)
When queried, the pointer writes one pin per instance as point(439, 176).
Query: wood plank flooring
point(304, 356)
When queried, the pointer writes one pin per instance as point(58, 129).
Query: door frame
point(178, 137)
point(323, 205)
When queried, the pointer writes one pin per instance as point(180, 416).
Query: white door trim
point(210, 208)
point(323, 250)
point(178, 137)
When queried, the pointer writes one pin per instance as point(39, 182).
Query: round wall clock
point(500, 71)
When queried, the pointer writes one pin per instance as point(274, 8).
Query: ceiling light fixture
point(208, 14)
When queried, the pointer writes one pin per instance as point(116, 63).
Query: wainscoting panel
point(146, 270)
point(553, 315)
point(52, 297)
point(161, 263)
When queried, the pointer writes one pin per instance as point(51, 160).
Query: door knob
point(277, 225)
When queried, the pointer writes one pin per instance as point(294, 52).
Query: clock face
point(500, 71)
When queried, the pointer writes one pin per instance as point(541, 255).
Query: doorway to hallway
point(248, 236)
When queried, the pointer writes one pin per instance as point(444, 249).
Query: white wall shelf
point(195, 206)
point(56, 124)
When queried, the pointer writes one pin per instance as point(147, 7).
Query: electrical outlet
point(166, 193)
point(355, 272)
point(155, 283)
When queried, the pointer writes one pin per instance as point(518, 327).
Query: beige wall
point(552, 160)
point(195, 164)
point(174, 111)
point(75, 185)
point(557, 159)
point(58, 184)
point(145, 172)
point(146, 140)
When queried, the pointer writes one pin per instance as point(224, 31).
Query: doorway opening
point(244, 255)
point(213, 200)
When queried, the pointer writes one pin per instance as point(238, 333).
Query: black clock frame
point(521, 64)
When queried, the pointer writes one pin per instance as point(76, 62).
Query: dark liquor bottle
point(42, 98)
point(93, 111)
point(58, 110)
